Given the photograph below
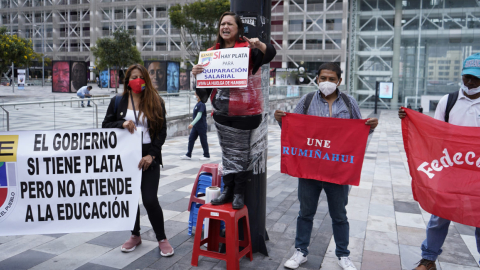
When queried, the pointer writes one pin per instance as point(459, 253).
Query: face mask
point(327, 88)
point(470, 92)
point(137, 85)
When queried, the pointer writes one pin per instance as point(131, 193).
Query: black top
point(200, 107)
point(259, 59)
point(116, 119)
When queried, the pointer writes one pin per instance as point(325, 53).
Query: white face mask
point(327, 88)
point(469, 92)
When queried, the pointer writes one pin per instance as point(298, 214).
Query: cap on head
point(471, 65)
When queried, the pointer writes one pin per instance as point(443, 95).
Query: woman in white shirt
point(140, 105)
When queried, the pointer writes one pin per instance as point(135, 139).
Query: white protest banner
point(69, 181)
point(224, 68)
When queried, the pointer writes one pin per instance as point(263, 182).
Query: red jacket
point(242, 101)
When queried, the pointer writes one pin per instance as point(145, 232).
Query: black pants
point(194, 134)
point(237, 181)
point(149, 188)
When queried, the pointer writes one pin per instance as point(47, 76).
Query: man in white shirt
point(84, 92)
point(465, 112)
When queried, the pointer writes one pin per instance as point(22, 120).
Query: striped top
point(319, 107)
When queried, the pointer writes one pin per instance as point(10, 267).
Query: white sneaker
point(185, 157)
point(346, 264)
point(204, 158)
point(295, 261)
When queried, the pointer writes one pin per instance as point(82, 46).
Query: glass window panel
point(368, 25)
point(295, 25)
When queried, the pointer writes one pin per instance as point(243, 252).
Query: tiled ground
point(386, 226)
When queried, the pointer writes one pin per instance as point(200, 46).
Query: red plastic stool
point(230, 216)
point(216, 181)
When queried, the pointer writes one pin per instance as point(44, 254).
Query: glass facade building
point(307, 33)
point(304, 32)
point(419, 45)
point(66, 29)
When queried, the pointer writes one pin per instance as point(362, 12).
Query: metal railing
point(64, 115)
point(176, 104)
point(14, 105)
point(289, 91)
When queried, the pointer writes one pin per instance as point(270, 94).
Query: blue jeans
point(437, 230)
point(337, 197)
point(194, 134)
point(82, 97)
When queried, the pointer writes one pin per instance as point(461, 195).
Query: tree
point(16, 50)
point(197, 22)
point(119, 51)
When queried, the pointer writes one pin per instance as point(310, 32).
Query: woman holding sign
point(141, 106)
point(237, 111)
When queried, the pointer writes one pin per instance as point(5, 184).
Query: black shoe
point(238, 202)
point(83, 106)
point(225, 197)
point(89, 105)
point(425, 264)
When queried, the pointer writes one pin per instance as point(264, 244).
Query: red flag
point(323, 148)
point(444, 162)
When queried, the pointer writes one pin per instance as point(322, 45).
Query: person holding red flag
point(460, 108)
point(327, 102)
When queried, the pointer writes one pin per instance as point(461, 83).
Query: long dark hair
point(150, 102)
point(239, 23)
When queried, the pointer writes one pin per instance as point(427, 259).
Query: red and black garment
point(241, 101)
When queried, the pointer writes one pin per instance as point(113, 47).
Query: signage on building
point(21, 78)
point(385, 90)
point(250, 21)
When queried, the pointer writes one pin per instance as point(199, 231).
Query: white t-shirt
point(465, 112)
point(131, 116)
point(83, 90)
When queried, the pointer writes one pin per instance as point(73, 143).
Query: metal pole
point(397, 37)
point(96, 112)
point(255, 198)
point(418, 53)
point(43, 55)
point(8, 118)
point(13, 78)
point(376, 96)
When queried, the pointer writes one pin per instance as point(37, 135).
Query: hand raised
point(197, 69)
point(254, 43)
